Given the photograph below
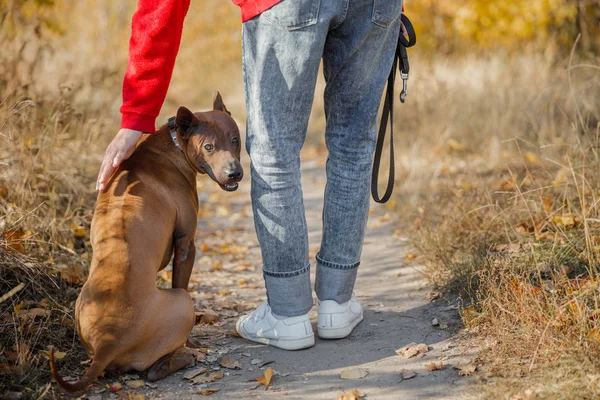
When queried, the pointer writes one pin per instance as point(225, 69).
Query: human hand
point(117, 151)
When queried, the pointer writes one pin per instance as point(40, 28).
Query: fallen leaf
point(207, 378)
point(351, 395)
point(73, 274)
point(13, 241)
point(58, 355)
point(467, 370)
point(194, 372)
point(114, 387)
point(138, 383)
point(204, 247)
point(33, 313)
point(407, 373)
point(224, 292)
point(207, 392)
point(566, 220)
point(265, 380)
point(435, 367)
point(206, 317)
point(354, 373)
point(413, 350)
point(433, 295)
point(410, 256)
point(230, 363)
point(3, 192)
point(136, 397)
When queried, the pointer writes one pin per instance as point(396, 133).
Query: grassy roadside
point(503, 208)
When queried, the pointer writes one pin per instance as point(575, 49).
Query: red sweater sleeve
point(155, 37)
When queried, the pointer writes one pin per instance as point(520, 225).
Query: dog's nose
point(234, 173)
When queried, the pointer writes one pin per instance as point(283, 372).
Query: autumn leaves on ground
point(497, 181)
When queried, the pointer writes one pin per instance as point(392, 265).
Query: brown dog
point(148, 212)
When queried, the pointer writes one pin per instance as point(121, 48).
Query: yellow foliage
point(489, 23)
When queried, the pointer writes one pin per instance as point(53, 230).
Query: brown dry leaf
point(18, 309)
point(410, 256)
point(207, 392)
point(33, 313)
point(265, 380)
point(351, 395)
point(134, 384)
point(467, 370)
point(73, 274)
point(413, 350)
point(58, 355)
point(230, 363)
point(204, 247)
point(433, 295)
point(207, 378)
point(114, 387)
point(3, 192)
point(136, 396)
point(192, 373)
point(354, 373)
point(565, 221)
point(13, 240)
point(407, 373)
point(435, 366)
point(224, 292)
point(206, 317)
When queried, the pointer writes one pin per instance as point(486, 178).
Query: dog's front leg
point(183, 262)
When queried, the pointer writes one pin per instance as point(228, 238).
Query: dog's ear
point(185, 120)
point(218, 103)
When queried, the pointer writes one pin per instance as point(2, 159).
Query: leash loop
point(400, 62)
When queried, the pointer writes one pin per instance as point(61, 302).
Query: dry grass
point(500, 191)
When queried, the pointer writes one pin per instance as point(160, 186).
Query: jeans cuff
point(333, 283)
point(289, 293)
point(330, 264)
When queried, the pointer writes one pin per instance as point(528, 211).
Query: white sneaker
point(288, 333)
point(336, 321)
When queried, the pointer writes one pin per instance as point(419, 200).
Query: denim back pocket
point(385, 12)
point(293, 14)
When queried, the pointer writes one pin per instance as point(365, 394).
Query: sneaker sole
point(285, 344)
point(339, 332)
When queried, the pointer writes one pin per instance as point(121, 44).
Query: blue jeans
point(282, 49)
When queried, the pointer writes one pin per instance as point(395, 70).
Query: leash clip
point(404, 91)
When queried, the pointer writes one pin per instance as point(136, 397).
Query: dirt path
point(227, 279)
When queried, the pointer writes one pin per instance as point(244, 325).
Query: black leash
point(401, 62)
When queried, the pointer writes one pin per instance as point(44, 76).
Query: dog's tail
point(90, 376)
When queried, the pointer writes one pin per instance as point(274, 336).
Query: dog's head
point(212, 143)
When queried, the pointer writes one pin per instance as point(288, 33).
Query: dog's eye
point(235, 140)
point(209, 147)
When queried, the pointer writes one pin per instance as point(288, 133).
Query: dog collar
point(173, 132)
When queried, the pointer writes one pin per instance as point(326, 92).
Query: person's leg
point(357, 61)
point(282, 49)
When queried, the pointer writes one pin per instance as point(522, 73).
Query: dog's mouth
point(230, 187)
